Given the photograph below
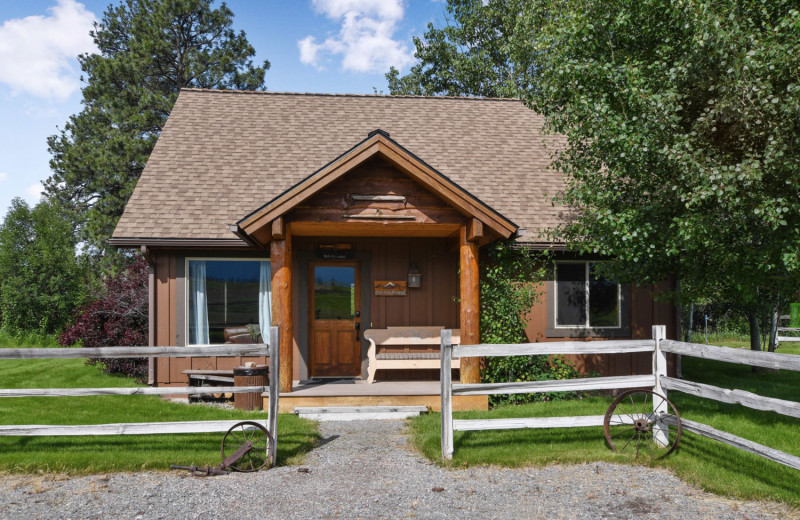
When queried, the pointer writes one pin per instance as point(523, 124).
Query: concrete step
point(358, 413)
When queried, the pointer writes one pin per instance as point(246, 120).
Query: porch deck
point(381, 393)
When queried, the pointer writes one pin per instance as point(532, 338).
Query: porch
point(355, 392)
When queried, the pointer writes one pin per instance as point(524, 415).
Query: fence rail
point(659, 381)
point(272, 350)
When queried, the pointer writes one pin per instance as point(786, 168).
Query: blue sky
point(342, 46)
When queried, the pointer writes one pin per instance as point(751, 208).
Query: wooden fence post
point(660, 429)
point(274, 384)
point(446, 357)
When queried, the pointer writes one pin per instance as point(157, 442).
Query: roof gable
point(377, 144)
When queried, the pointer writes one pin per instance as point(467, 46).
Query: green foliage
point(42, 280)
point(98, 454)
point(683, 123)
point(706, 463)
point(148, 51)
point(468, 56)
point(510, 281)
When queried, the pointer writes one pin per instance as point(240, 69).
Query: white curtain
point(265, 301)
point(198, 314)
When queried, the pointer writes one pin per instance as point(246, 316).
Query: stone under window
point(581, 302)
point(229, 301)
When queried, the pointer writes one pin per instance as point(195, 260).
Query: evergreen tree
point(147, 51)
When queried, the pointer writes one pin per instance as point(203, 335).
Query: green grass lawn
point(94, 454)
point(713, 466)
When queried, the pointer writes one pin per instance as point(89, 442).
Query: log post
point(470, 309)
point(281, 260)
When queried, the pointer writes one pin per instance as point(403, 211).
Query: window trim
point(554, 330)
point(187, 307)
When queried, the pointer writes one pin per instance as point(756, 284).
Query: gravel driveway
point(366, 470)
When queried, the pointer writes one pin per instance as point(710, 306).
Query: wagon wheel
point(631, 426)
point(247, 446)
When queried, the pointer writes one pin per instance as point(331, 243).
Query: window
point(582, 302)
point(229, 301)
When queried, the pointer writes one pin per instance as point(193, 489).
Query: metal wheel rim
point(628, 425)
point(261, 455)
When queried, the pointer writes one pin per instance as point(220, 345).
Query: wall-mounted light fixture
point(414, 277)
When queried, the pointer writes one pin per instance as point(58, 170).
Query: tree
point(42, 280)
point(116, 317)
point(470, 55)
point(683, 121)
point(147, 51)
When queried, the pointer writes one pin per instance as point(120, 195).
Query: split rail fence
point(658, 381)
point(272, 350)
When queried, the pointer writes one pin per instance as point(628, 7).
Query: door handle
point(358, 330)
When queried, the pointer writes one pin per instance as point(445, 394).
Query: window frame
point(186, 296)
point(554, 330)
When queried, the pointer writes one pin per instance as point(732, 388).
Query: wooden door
point(335, 319)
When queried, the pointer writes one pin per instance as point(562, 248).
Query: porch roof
point(223, 155)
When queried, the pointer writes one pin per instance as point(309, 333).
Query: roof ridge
point(327, 94)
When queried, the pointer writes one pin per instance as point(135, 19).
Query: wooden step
point(358, 413)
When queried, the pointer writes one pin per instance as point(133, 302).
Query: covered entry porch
point(344, 245)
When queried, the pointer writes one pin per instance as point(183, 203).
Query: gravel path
point(366, 470)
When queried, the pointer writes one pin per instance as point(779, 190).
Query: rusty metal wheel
point(632, 427)
point(247, 446)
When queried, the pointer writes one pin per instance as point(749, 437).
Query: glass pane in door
point(334, 292)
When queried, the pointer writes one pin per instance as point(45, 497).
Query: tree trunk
point(773, 328)
point(755, 336)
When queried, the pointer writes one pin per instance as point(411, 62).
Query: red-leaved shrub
point(116, 317)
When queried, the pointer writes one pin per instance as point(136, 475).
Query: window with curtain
point(229, 301)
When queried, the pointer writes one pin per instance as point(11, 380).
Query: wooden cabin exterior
point(311, 212)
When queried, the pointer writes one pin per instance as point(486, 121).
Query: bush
point(509, 279)
point(117, 317)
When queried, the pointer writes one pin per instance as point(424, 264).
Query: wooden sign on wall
point(390, 287)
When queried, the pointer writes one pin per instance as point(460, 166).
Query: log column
point(281, 260)
point(470, 300)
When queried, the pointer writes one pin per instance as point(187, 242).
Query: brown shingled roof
point(223, 154)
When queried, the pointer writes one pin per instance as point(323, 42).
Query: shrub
point(117, 317)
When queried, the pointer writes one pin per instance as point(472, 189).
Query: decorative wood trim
point(278, 229)
point(379, 143)
point(475, 232)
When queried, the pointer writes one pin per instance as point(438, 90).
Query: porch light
point(414, 277)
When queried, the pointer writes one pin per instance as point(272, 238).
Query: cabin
point(356, 223)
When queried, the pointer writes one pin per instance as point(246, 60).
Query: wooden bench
point(404, 337)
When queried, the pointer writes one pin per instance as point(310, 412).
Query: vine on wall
point(510, 280)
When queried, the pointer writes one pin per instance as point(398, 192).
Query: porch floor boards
point(381, 393)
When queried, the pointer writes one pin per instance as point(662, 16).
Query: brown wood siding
point(434, 303)
point(169, 371)
point(375, 177)
point(645, 312)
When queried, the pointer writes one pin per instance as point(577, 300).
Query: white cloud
point(365, 40)
point(37, 53)
point(3, 176)
point(34, 192)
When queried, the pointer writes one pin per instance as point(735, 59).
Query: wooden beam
point(475, 233)
point(613, 346)
point(470, 305)
point(255, 349)
point(29, 430)
point(733, 355)
point(463, 425)
point(281, 262)
point(560, 385)
point(278, 229)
